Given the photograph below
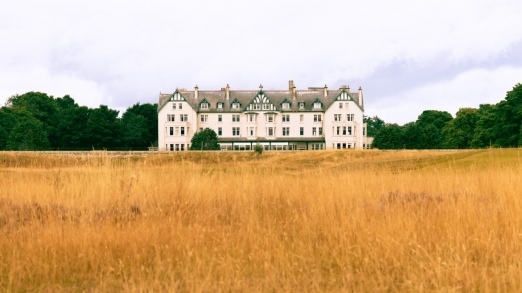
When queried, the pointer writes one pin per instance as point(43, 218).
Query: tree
point(42, 107)
point(389, 137)
point(204, 140)
point(459, 132)
point(373, 125)
point(28, 134)
point(140, 125)
point(430, 124)
point(103, 127)
point(487, 127)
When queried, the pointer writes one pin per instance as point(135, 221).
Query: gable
point(261, 102)
point(176, 96)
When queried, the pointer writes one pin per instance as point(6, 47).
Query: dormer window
point(301, 106)
point(204, 105)
point(317, 105)
point(220, 105)
point(235, 105)
point(285, 105)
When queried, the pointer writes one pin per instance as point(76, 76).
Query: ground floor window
point(317, 146)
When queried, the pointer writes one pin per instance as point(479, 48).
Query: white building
point(292, 119)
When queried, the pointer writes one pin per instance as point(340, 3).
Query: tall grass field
point(311, 221)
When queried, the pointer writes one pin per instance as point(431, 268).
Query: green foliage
point(373, 125)
point(258, 149)
point(389, 137)
point(28, 134)
point(459, 132)
point(140, 125)
point(204, 140)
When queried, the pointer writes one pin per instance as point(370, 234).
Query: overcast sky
point(408, 56)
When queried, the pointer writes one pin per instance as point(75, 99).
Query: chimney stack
point(325, 91)
point(196, 92)
point(361, 100)
point(227, 95)
point(290, 85)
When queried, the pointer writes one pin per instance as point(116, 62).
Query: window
point(344, 130)
point(180, 106)
point(364, 130)
point(285, 105)
point(177, 147)
point(256, 107)
point(286, 118)
point(220, 105)
point(301, 106)
point(235, 118)
point(252, 118)
point(301, 131)
point(338, 132)
point(317, 146)
point(200, 129)
point(314, 131)
point(220, 131)
point(270, 118)
point(317, 118)
point(171, 117)
point(270, 131)
point(204, 118)
point(204, 105)
point(252, 131)
point(337, 117)
point(182, 131)
point(267, 107)
point(317, 105)
point(286, 131)
point(176, 131)
point(340, 105)
point(235, 131)
point(320, 131)
point(301, 118)
point(349, 117)
point(220, 118)
point(235, 105)
point(174, 106)
point(171, 147)
point(183, 117)
point(349, 130)
point(171, 131)
point(182, 147)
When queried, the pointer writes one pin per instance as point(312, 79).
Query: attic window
point(235, 105)
point(266, 106)
point(317, 105)
point(220, 105)
point(204, 105)
point(285, 105)
point(301, 106)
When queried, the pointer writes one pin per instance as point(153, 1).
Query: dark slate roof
point(244, 97)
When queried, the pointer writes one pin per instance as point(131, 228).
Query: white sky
point(408, 56)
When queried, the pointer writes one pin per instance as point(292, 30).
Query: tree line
point(491, 125)
point(36, 121)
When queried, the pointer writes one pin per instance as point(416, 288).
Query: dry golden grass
point(323, 221)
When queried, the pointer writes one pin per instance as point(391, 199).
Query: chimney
point(361, 100)
point(325, 91)
point(196, 92)
point(227, 95)
point(290, 85)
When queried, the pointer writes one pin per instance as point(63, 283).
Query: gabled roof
point(245, 97)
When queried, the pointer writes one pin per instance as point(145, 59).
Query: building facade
point(312, 119)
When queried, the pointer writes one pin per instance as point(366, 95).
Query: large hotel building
point(314, 119)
